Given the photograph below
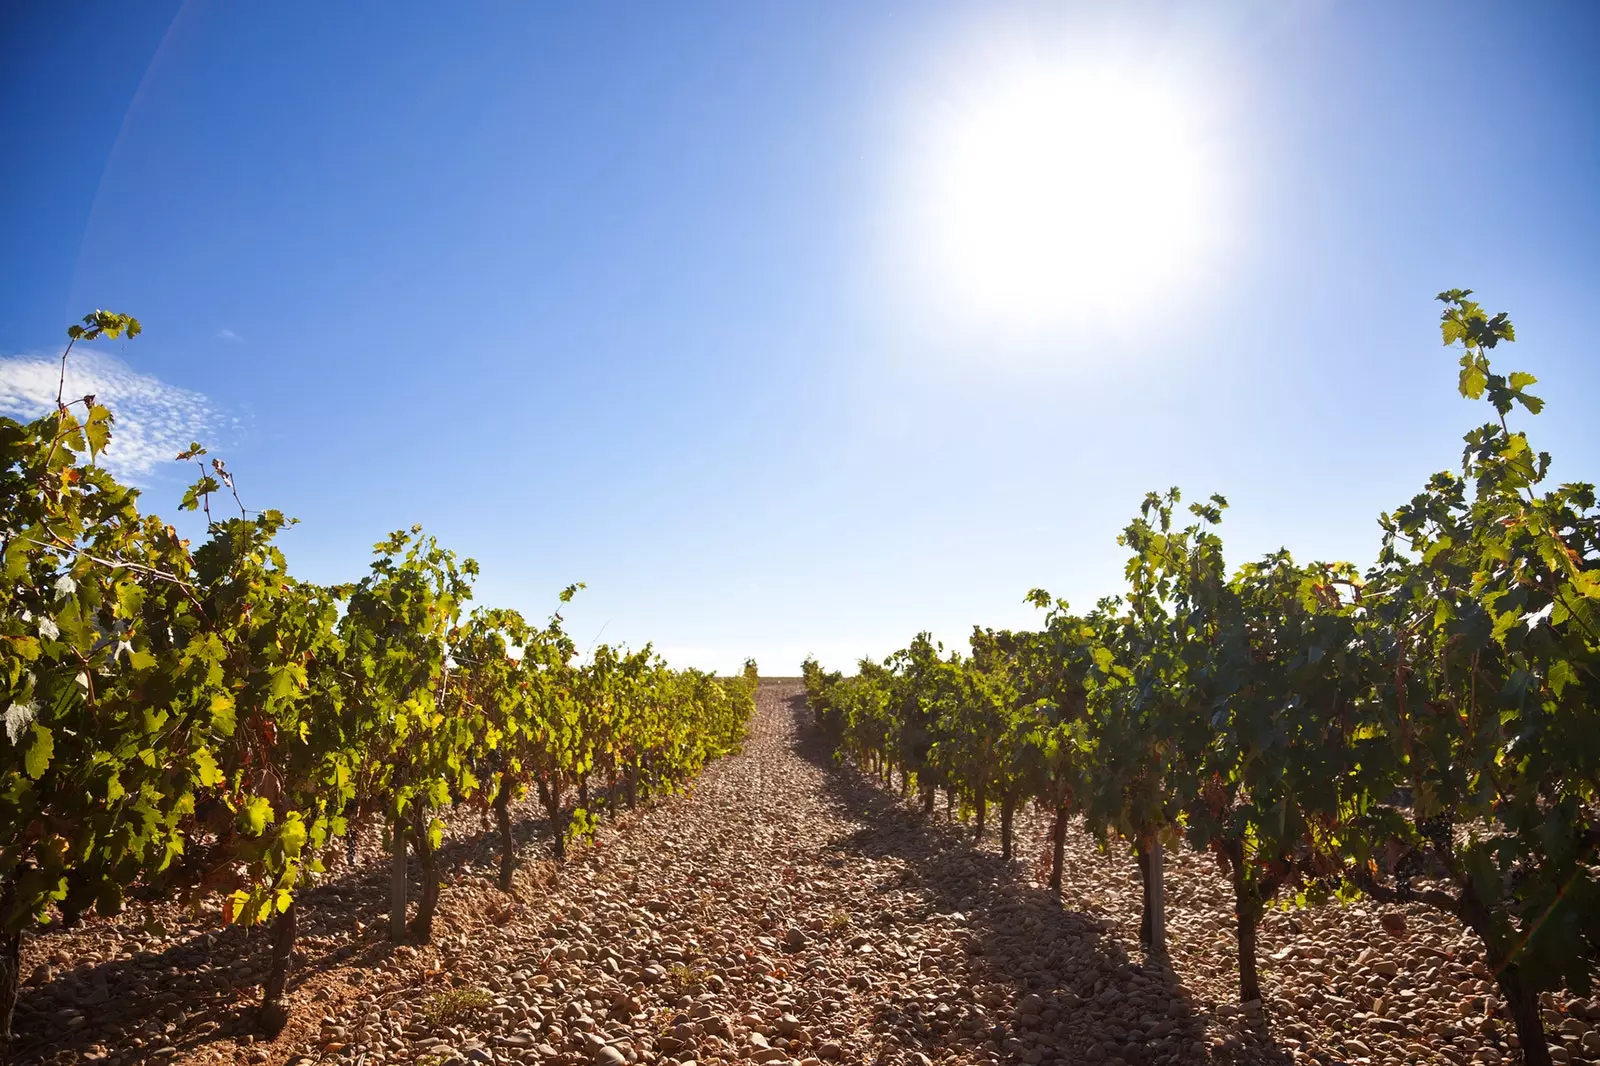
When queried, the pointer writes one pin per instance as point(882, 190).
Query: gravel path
point(788, 909)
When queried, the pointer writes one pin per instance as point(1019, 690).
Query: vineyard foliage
point(1424, 730)
point(193, 722)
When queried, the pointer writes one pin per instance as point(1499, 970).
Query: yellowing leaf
point(293, 834)
point(223, 719)
point(40, 751)
point(206, 766)
point(256, 814)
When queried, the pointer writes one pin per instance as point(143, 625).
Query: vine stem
point(61, 384)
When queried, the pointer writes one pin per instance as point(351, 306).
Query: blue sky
point(639, 295)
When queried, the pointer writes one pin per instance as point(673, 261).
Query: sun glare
point(1057, 196)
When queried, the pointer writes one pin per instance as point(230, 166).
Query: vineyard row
point(1424, 729)
point(195, 723)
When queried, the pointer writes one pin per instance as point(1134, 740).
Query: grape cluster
point(1439, 831)
point(1411, 864)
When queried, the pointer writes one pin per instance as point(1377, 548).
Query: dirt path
point(787, 910)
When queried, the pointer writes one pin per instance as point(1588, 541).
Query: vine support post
point(397, 880)
point(1155, 882)
point(1153, 914)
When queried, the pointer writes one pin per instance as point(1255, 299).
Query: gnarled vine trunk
point(1521, 998)
point(274, 1012)
point(1058, 848)
point(422, 926)
point(508, 844)
point(10, 966)
point(1248, 905)
point(981, 811)
point(1524, 1005)
point(550, 794)
point(1008, 810)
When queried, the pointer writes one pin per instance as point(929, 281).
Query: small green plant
point(683, 977)
point(442, 1008)
point(840, 920)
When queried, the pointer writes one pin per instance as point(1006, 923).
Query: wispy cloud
point(226, 334)
point(154, 420)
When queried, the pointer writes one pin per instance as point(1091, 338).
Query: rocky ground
point(788, 910)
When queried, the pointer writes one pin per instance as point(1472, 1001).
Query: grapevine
point(198, 723)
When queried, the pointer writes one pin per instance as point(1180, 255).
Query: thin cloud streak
point(154, 420)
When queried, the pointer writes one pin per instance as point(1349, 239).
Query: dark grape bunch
point(1410, 865)
point(1439, 831)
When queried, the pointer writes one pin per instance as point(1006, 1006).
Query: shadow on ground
point(205, 989)
point(1098, 1005)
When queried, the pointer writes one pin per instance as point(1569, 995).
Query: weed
point(445, 1007)
point(682, 978)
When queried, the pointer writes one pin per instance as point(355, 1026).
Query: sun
point(1057, 195)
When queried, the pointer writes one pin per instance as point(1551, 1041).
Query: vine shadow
point(1095, 999)
point(207, 986)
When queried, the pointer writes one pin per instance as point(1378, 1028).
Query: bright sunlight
point(1056, 195)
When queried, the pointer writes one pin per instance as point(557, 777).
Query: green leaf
point(206, 765)
point(223, 719)
point(256, 815)
point(1560, 676)
point(287, 680)
point(98, 429)
point(293, 834)
point(37, 760)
